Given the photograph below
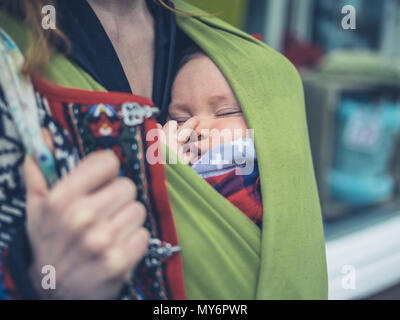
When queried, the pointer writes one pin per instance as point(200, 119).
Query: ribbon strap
point(20, 96)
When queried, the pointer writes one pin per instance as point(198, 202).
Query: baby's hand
point(177, 138)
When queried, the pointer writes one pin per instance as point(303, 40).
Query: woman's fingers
point(98, 206)
point(36, 185)
point(113, 196)
point(128, 221)
point(130, 240)
point(136, 246)
point(133, 251)
point(121, 260)
point(121, 242)
point(96, 170)
point(48, 139)
point(115, 231)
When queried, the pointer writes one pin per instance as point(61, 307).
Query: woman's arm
point(15, 282)
point(81, 225)
point(88, 226)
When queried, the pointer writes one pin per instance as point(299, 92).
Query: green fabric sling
point(292, 250)
point(225, 256)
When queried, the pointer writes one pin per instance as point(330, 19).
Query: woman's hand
point(181, 139)
point(88, 227)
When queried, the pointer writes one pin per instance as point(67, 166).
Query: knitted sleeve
point(12, 201)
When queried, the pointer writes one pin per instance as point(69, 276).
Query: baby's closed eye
point(228, 112)
point(180, 118)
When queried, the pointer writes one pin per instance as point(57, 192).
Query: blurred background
point(351, 78)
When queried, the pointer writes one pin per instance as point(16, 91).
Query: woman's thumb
point(36, 185)
point(48, 139)
point(35, 182)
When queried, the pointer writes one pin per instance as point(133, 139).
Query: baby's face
point(200, 90)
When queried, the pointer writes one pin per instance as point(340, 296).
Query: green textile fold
point(220, 245)
point(269, 89)
point(225, 255)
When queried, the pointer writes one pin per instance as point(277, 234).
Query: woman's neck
point(119, 7)
point(131, 29)
point(119, 16)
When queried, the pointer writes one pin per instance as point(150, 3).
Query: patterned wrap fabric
point(231, 168)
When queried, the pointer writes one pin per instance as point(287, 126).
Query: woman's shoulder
point(61, 70)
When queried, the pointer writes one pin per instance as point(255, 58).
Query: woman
point(223, 255)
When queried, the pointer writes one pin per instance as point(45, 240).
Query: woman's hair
point(41, 41)
point(38, 53)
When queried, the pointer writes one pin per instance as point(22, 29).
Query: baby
point(206, 123)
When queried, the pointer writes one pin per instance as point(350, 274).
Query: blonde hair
point(41, 41)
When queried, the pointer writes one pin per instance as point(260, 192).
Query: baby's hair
point(189, 54)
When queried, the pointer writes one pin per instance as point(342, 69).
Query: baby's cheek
point(234, 124)
point(228, 129)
